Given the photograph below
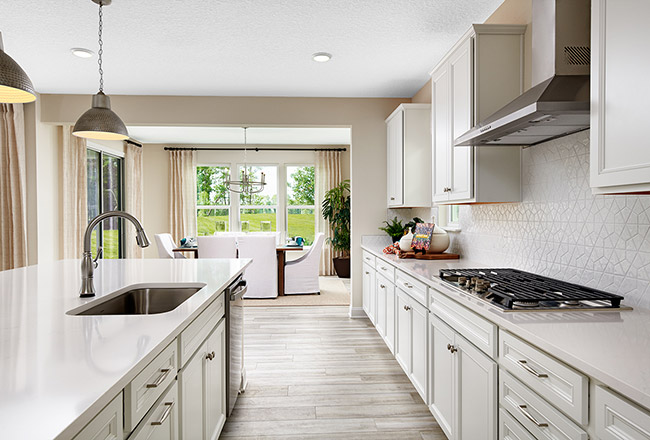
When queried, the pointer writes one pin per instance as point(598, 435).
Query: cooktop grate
point(511, 287)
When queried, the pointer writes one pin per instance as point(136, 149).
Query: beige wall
point(156, 177)
point(365, 117)
point(423, 96)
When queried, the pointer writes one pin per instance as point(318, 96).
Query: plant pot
point(342, 266)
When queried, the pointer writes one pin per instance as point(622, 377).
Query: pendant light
point(15, 85)
point(100, 122)
point(247, 185)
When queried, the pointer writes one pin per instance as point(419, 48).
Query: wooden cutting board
point(443, 256)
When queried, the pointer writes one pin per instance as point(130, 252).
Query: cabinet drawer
point(416, 289)
point(385, 270)
point(107, 425)
point(369, 258)
point(511, 429)
point(193, 336)
point(162, 421)
point(564, 387)
point(143, 391)
point(539, 417)
point(618, 419)
point(479, 331)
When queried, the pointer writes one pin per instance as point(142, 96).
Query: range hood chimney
point(558, 103)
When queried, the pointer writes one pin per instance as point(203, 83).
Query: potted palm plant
point(336, 210)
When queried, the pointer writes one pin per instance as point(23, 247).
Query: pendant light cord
point(101, 48)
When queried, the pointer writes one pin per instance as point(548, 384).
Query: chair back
point(314, 251)
point(217, 247)
point(165, 245)
point(262, 274)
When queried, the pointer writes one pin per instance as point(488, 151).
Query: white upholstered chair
point(301, 275)
point(165, 244)
point(217, 247)
point(262, 274)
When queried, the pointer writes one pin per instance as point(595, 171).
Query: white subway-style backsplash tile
point(561, 229)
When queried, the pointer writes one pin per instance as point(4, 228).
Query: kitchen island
point(59, 370)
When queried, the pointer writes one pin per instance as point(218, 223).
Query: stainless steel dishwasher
point(235, 372)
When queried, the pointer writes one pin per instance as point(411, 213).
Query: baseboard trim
point(357, 312)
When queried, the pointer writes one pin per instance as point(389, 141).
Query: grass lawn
point(299, 224)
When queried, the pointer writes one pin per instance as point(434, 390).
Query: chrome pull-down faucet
point(88, 265)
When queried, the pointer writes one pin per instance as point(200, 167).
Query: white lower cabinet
point(385, 316)
point(203, 389)
point(161, 423)
point(369, 291)
point(411, 340)
point(510, 429)
point(463, 381)
point(619, 419)
point(107, 425)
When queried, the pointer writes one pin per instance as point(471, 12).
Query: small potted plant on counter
point(336, 210)
point(395, 229)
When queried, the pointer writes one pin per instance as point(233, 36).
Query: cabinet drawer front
point(510, 429)
point(369, 258)
point(107, 425)
point(617, 419)
point(143, 391)
point(477, 330)
point(416, 289)
point(564, 387)
point(385, 270)
point(539, 417)
point(193, 336)
point(162, 421)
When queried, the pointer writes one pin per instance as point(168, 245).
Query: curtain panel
point(133, 195)
point(74, 212)
point(182, 194)
point(13, 223)
point(328, 175)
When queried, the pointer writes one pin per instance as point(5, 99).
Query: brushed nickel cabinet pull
point(523, 409)
point(407, 308)
point(161, 378)
point(165, 414)
point(210, 356)
point(524, 364)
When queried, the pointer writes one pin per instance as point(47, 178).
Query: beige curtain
point(182, 194)
point(13, 227)
point(132, 195)
point(328, 175)
point(74, 212)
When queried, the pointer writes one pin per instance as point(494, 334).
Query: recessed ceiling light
point(321, 57)
point(81, 52)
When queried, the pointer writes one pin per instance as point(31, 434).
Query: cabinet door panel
point(372, 295)
point(442, 374)
point(381, 305)
point(390, 317)
point(419, 315)
point(395, 158)
point(192, 379)
point(477, 392)
point(440, 102)
point(107, 425)
point(367, 287)
point(460, 158)
point(215, 386)
point(403, 337)
point(161, 423)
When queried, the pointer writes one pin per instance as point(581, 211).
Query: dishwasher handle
point(238, 290)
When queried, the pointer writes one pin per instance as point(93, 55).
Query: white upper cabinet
point(408, 135)
point(619, 151)
point(482, 73)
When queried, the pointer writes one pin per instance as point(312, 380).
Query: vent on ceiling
point(577, 55)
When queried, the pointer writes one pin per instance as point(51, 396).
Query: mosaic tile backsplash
point(562, 230)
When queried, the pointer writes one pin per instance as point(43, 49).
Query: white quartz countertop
point(612, 347)
point(56, 370)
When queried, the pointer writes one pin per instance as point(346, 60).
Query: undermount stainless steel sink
point(140, 300)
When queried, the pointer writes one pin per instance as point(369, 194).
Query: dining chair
point(217, 247)
point(262, 274)
point(301, 274)
point(165, 244)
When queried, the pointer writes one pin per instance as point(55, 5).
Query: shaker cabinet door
point(442, 374)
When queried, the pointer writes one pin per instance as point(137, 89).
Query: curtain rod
point(250, 149)
point(137, 144)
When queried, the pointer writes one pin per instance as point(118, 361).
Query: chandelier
point(247, 185)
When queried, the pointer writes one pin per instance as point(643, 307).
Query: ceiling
point(381, 48)
point(235, 135)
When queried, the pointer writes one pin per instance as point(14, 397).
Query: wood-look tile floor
point(314, 373)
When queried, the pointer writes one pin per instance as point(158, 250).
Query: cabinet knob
point(451, 348)
point(407, 308)
point(367, 273)
point(392, 198)
point(382, 286)
point(210, 356)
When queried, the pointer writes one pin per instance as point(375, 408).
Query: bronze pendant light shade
point(100, 122)
point(15, 85)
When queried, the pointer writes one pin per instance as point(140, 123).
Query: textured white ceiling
point(381, 48)
point(235, 135)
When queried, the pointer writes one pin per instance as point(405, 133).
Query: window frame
point(228, 207)
point(444, 217)
point(286, 196)
point(280, 174)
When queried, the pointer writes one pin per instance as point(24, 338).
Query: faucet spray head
point(141, 238)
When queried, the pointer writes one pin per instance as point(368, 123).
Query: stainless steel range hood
point(559, 102)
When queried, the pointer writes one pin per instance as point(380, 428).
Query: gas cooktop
point(515, 290)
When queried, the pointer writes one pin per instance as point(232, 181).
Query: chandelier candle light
point(100, 122)
point(247, 184)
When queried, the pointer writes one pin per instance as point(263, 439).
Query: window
point(213, 199)
point(301, 219)
point(105, 180)
point(453, 215)
point(258, 212)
